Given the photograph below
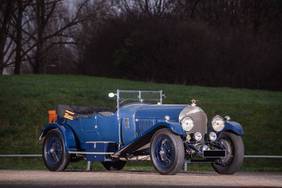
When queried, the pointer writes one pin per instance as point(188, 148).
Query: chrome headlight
point(187, 124)
point(217, 123)
point(197, 136)
point(212, 136)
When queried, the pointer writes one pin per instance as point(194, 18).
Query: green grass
point(24, 101)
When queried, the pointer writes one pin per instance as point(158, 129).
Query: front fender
point(234, 127)
point(174, 127)
point(67, 133)
point(145, 138)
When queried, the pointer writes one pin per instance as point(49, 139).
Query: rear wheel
point(54, 154)
point(114, 165)
point(167, 152)
point(234, 146)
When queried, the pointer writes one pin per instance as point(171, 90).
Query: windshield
point(129, 96)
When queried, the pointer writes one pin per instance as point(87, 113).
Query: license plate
point(214, 153)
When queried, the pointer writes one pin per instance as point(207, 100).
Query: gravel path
point(9, 178)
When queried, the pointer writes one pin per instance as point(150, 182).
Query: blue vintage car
point(142, 125)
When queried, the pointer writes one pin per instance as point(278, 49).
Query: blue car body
point(103, 136)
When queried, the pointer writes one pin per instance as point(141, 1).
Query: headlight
point(197, 136)
point(212, 136)
point(187, 124)
point(218, 123)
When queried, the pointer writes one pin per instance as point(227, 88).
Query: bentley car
point(171, 134)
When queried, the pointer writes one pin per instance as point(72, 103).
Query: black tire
point(235, 154)
point(54, 154)
point(114, 165)
point(167, 152)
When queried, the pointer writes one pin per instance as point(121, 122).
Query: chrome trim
point(189, 110)
point(194, 111)
point(99, 142)
point(118, 119)
point(90, 153)
point(139, 95)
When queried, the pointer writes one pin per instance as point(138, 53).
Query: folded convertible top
point(83, 110)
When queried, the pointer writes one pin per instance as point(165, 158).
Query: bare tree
point(48, 13)
point(30, 28)
point(18, 41)
point(6, 12)
point(146, 7)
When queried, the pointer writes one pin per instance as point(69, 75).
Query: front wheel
point(234, 147)
point(167, 152)
point(54, 154)
point(114, 165)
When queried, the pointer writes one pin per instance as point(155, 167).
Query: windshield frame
point(139, 96)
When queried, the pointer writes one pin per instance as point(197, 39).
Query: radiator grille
point(200, 122)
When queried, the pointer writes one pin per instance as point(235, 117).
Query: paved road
point(9, 178)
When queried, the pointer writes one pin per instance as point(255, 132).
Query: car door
point(89, 128)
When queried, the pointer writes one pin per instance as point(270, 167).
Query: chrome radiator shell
point(198, 116)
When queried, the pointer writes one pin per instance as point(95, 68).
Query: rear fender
point(67, 133)
point(234, 127)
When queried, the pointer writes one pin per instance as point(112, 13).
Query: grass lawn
point(24, 101)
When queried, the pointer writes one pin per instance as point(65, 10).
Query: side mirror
point(111, 95)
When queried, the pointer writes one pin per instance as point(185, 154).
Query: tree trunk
point(2, 44)
point(18, 59)
point(37, 64)
point(7, 12)
point(40, 21)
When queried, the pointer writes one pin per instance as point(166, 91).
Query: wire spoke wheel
point(234, 154)
point(54, 149)
point(167, 152)
point(54, 155)
point(229, 152)
point(164, 151)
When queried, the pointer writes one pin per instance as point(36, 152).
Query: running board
point(97, 148)
point(90, 153)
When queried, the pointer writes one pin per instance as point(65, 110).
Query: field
point(24, 101)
